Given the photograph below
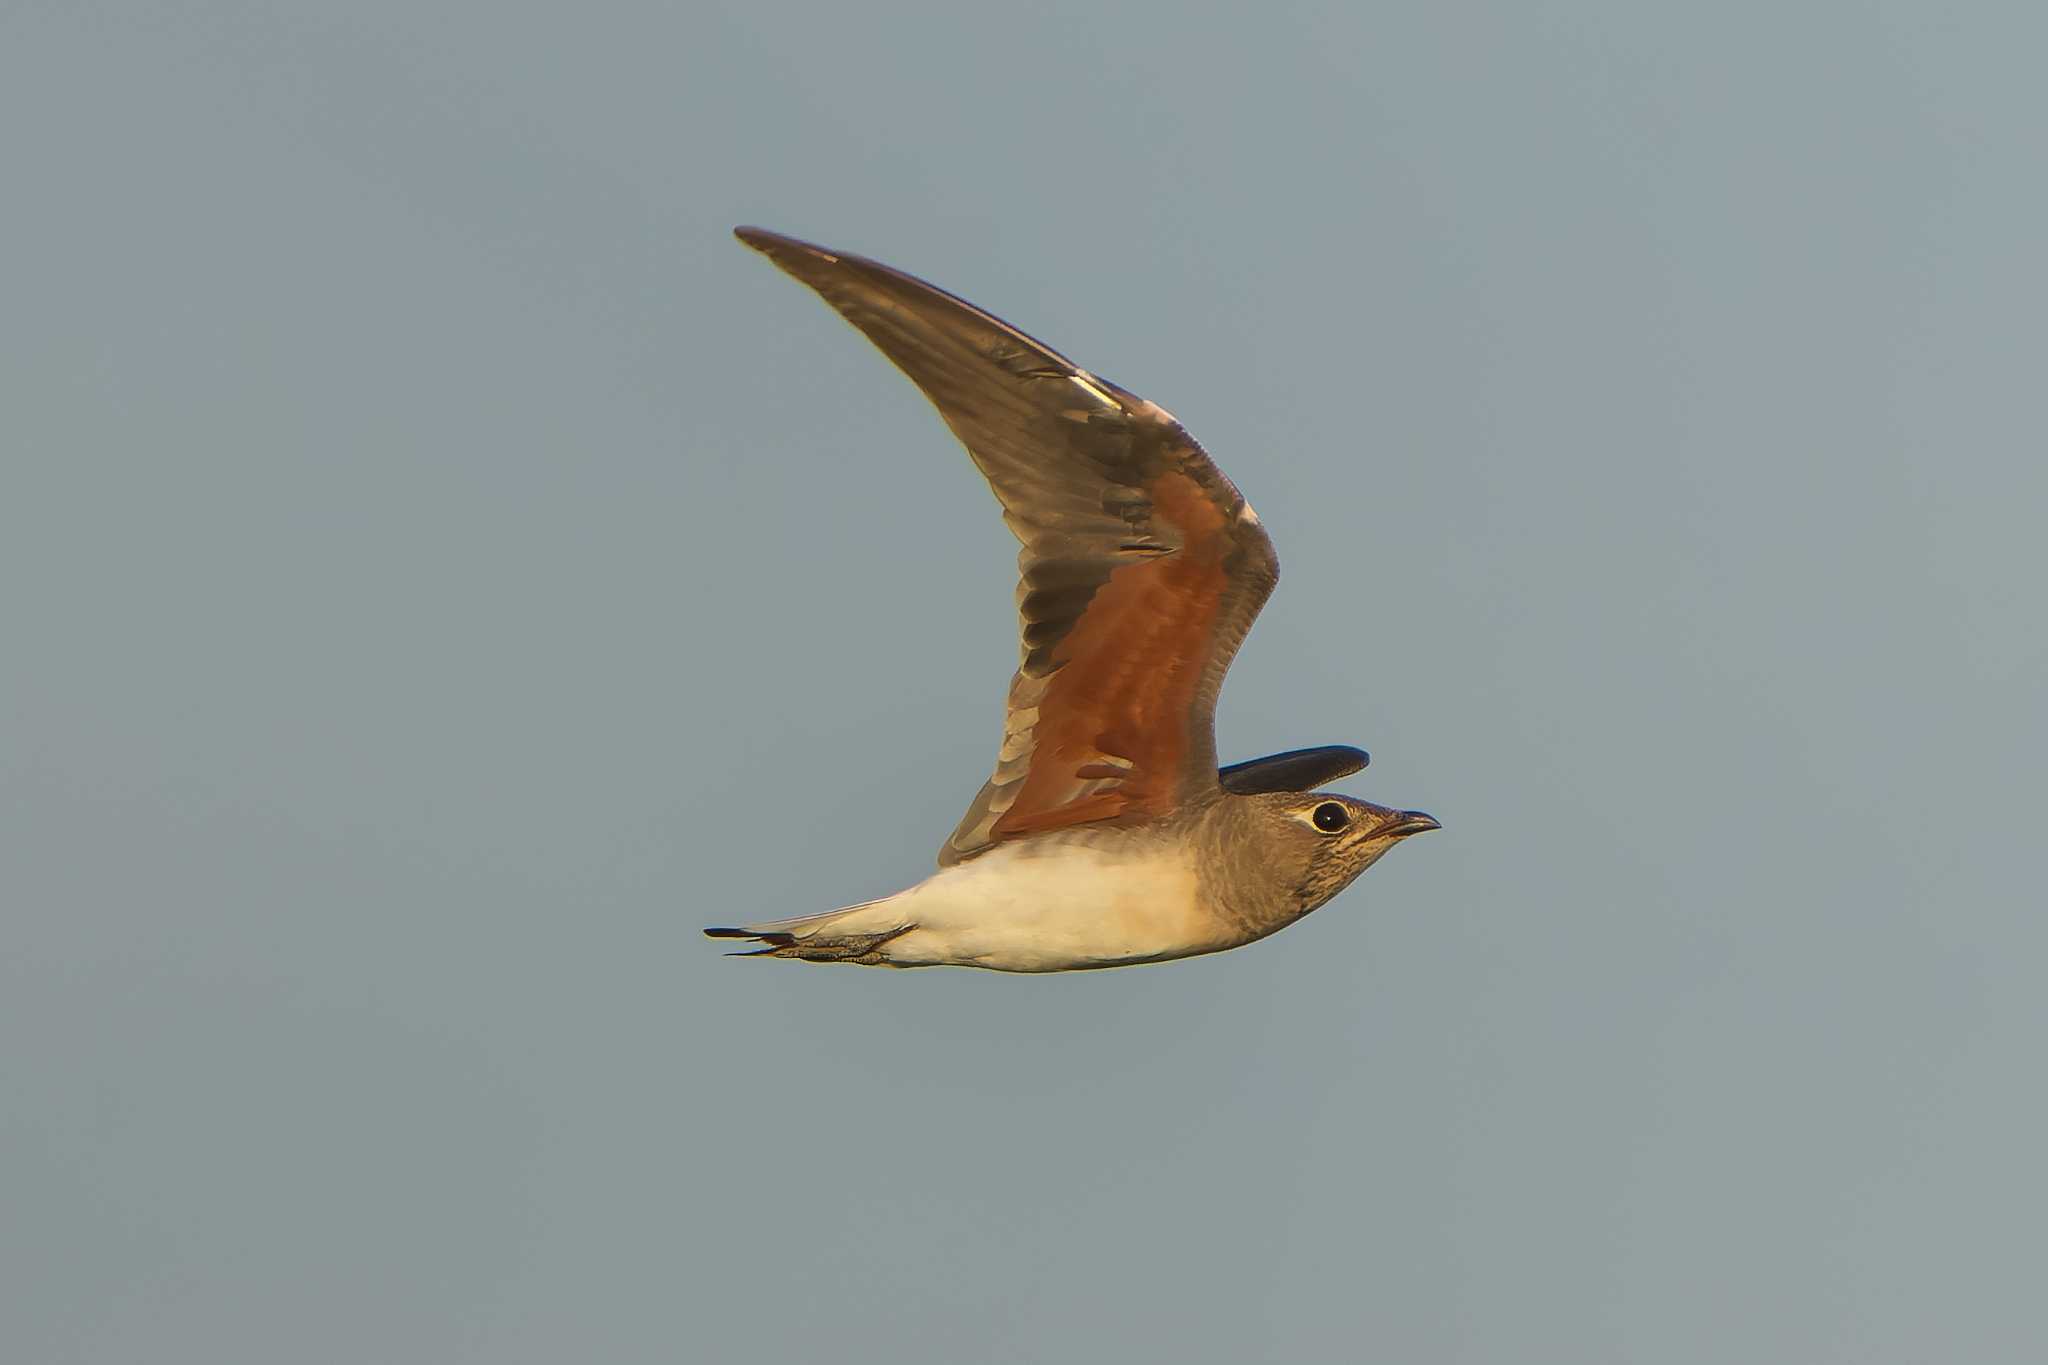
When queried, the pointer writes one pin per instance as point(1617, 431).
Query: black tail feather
point(862, 948)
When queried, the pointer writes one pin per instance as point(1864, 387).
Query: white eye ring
point(1330, 817)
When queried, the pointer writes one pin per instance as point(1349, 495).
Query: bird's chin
point(1328, 883)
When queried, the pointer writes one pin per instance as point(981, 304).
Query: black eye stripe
point(1330, 817)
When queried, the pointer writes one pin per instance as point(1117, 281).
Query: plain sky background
point(440, 571)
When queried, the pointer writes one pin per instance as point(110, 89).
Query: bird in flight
point(1106, 836)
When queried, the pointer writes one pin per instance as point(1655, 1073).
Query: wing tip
point(776, 245)
point(1296, 770)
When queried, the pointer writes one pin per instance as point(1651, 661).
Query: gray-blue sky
point(441, 571)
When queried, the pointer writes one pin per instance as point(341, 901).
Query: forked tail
point(857, 934)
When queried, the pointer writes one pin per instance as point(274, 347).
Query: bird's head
point(1314, 844)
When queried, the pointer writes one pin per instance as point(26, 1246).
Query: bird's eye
point(1330, 817)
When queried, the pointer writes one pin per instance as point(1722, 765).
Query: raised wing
point(1297, 770)
point(1141, 570)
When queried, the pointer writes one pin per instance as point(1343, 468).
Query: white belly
point(1025, 909)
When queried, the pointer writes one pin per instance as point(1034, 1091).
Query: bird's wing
point(1297, 770)
point(1142, 565)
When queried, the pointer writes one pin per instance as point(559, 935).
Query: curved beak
point(1408, 822)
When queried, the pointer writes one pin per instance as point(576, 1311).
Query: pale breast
point(1059, 907)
